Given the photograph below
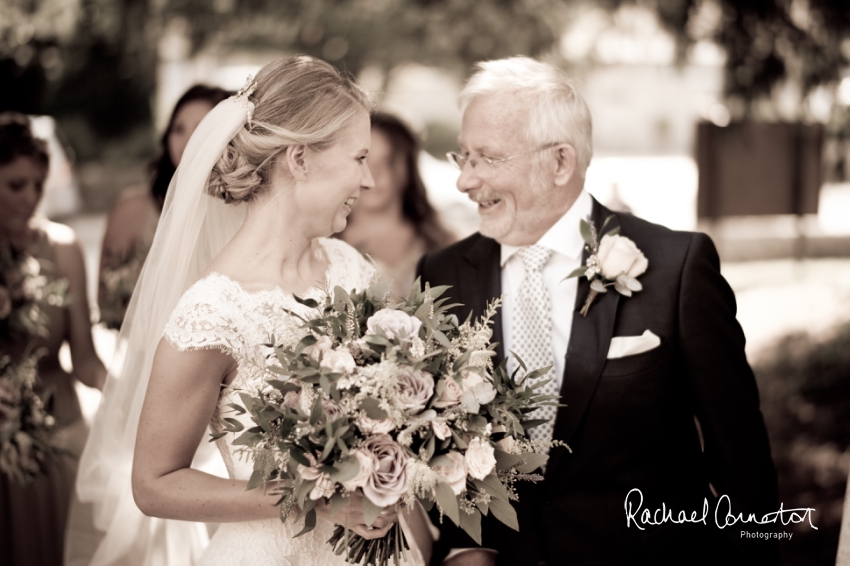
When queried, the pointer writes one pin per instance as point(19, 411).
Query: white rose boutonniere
point(613, 261)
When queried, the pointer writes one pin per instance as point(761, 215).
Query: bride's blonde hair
point(298, 100)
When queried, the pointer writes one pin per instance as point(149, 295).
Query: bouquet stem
point(375, 552)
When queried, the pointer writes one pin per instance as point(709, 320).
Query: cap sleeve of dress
point(206, 317)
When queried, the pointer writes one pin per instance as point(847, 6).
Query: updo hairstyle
point(17, 140)
point(298, 100)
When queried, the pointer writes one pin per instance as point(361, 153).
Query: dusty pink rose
point(368, 462)
point(479, 458)
point(331, 410)
point(388, 481)
point(322, 345)
point(394, 323)
point(454, 472)
point(441, 429)
point(619, 255)
point(415, 389)
point(338, 361)
point(369, 425)
point(5, 303)
point(451, 394)
point(292, 399)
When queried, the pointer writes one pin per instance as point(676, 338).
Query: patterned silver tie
point(532, 332)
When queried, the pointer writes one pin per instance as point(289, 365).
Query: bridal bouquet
point(25, 427)
point(118, 283)
point(25, 290)
point(397, 402)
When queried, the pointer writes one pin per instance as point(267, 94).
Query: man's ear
point(295, 159)
point(565, 163)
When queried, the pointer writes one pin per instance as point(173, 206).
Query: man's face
point(515, 204)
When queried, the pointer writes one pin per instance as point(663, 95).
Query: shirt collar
point(564, 237)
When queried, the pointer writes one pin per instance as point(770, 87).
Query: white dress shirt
point(565, 241)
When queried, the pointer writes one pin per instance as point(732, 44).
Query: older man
point(662, 411)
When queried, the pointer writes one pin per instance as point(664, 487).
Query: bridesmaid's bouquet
point(25, 427)
point(117, 285)
point(397, 402)
point(25, 289)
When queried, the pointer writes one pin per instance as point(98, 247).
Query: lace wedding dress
point(216, 312)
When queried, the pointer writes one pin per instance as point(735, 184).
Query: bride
point(266, 178)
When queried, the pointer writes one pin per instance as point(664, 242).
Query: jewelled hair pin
point(243, 96)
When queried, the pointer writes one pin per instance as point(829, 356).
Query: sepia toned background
point(727, 117)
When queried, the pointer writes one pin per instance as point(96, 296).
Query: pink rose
point(441, 429)
point(292, 399)
point(368, 462)
point(369, 425)
point(394, 323)
point(415, 389)
point(331, 409)
point(338, 361)
point(451, 394)
point(5, 303)
point(388, 481)
point(453, 472)
point(479, 458)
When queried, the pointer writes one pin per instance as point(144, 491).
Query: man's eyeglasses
point(487, 163)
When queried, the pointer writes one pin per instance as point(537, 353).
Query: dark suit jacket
point(631, 422)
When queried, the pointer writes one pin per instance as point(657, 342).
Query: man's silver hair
point(557, 112)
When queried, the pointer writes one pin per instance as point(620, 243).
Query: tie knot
point(534, 257)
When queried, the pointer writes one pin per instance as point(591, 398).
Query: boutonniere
point(613, 261)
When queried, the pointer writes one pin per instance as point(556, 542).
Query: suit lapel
point(480, 282)
point(590, 339)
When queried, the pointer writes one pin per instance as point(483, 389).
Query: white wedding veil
point(193, 228)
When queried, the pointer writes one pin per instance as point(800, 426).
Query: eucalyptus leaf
point(373, 408)
point(586, 233)
point(370, 511)
point(471, 523)
point(345, 470)
point(533, 461)
point(255, 481)
point(577, 272)
point(447, 500)
point(505, 512)
point(309, 523)
point(598, 286)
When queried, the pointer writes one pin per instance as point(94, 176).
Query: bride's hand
point(352, 514)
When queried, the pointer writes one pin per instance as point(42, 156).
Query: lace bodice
point(216, 312)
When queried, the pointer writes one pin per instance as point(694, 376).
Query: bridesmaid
point(132, 222)
point(32, 518)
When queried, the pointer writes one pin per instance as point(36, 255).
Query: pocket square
point(622, 346)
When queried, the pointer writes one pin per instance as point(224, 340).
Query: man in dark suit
point(664, 420)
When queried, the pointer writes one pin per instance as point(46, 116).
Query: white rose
point(325, 487)
point(368, 462)
point(469, 380)
point(451, 394)
point(479, 458)
point(454, 472)
point(441, 429)
point(619, 255)
point(394, 323)
point(338, 361)
point(323, 345)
